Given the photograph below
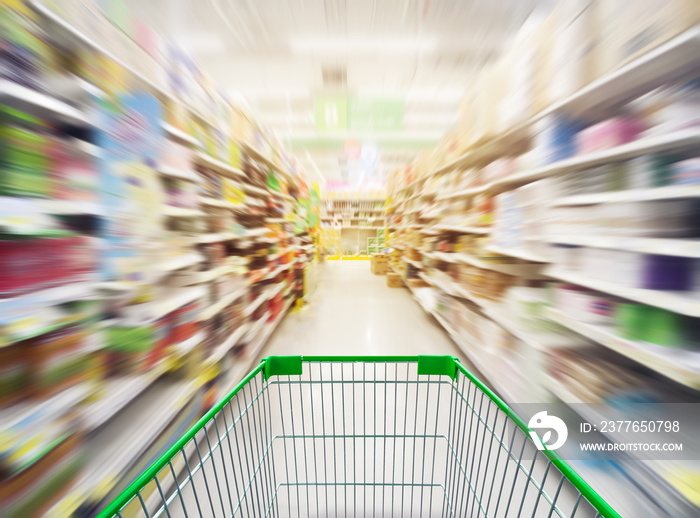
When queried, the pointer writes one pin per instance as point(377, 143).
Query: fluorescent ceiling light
point(362, 45)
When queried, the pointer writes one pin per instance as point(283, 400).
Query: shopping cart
point(359, 436)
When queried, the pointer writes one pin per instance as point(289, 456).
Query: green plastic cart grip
point(439, 365)
point(282, 366)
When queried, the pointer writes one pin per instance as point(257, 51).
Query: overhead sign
point(376, 114)
point(341, 113)
point(331, 113)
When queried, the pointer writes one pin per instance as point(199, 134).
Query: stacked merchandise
point(146, 251)
point(557, 225)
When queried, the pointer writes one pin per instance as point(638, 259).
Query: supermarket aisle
point(353, 312)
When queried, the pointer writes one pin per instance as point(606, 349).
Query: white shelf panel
point(679, 365)
point(355, 227)
point(417, 264)
point(215, 308)
point(222, 167)
point(180, 135)
point(170, 302)
point(678, 302)
point(463, 230)
point(69, 292)
point(520, 253)
point(40, 104)
point(256, 190)
point(664, 143)
point(465, 193)
point(227, 344)
point(68, 207)
point(179, 262)
point(214, 273)
point(646, 245)
point(214, 202)
point(216, 237)
point(181, 212)
point(660, 193)
point(180, 174)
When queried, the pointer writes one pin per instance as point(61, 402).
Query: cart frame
point(294, 365)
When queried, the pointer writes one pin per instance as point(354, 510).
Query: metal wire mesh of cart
point(386, 436)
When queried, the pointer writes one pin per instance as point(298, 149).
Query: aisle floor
point(353, 312)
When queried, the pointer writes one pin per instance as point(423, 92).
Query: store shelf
point(214, 202)
point(37, 103)
point(680, 365)
point(119, 447)
point(222, 167)
point(417, 264)
point(66, 207)
point(256, 232)
point(180, 135)
point(270, 327)
point(659, 193)
point(71, 291)
point(678, 302)
point(244, 362)
point(179, 262)
point(180, 174)
point(274, 273)
point(255, 327)
point(265, 295)
point(462, 230)
point(449, 257)
point(256, 190)
point(257, 155)
point(215, 308)
point(181, 212)
point(470, 349)
point(645, 245)
point(73, 35)
point(670, 142)
point(356, 227)
point(667, 63)
point(214, 273)
point(119, 392)
point(220, 236)
point(229, 343)
point(520, 253)
point(169, 302)
point(465, 193)
point(524, 270)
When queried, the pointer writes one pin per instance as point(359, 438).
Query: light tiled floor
point(353, 312)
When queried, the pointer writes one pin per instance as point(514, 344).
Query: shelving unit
point(483, 206)
point(197, 255)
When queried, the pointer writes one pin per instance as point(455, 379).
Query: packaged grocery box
point(393, 280)
point(576, 47)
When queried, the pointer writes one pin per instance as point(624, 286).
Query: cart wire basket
point(359, 436)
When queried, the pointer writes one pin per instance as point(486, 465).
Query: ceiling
point(279, 56)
